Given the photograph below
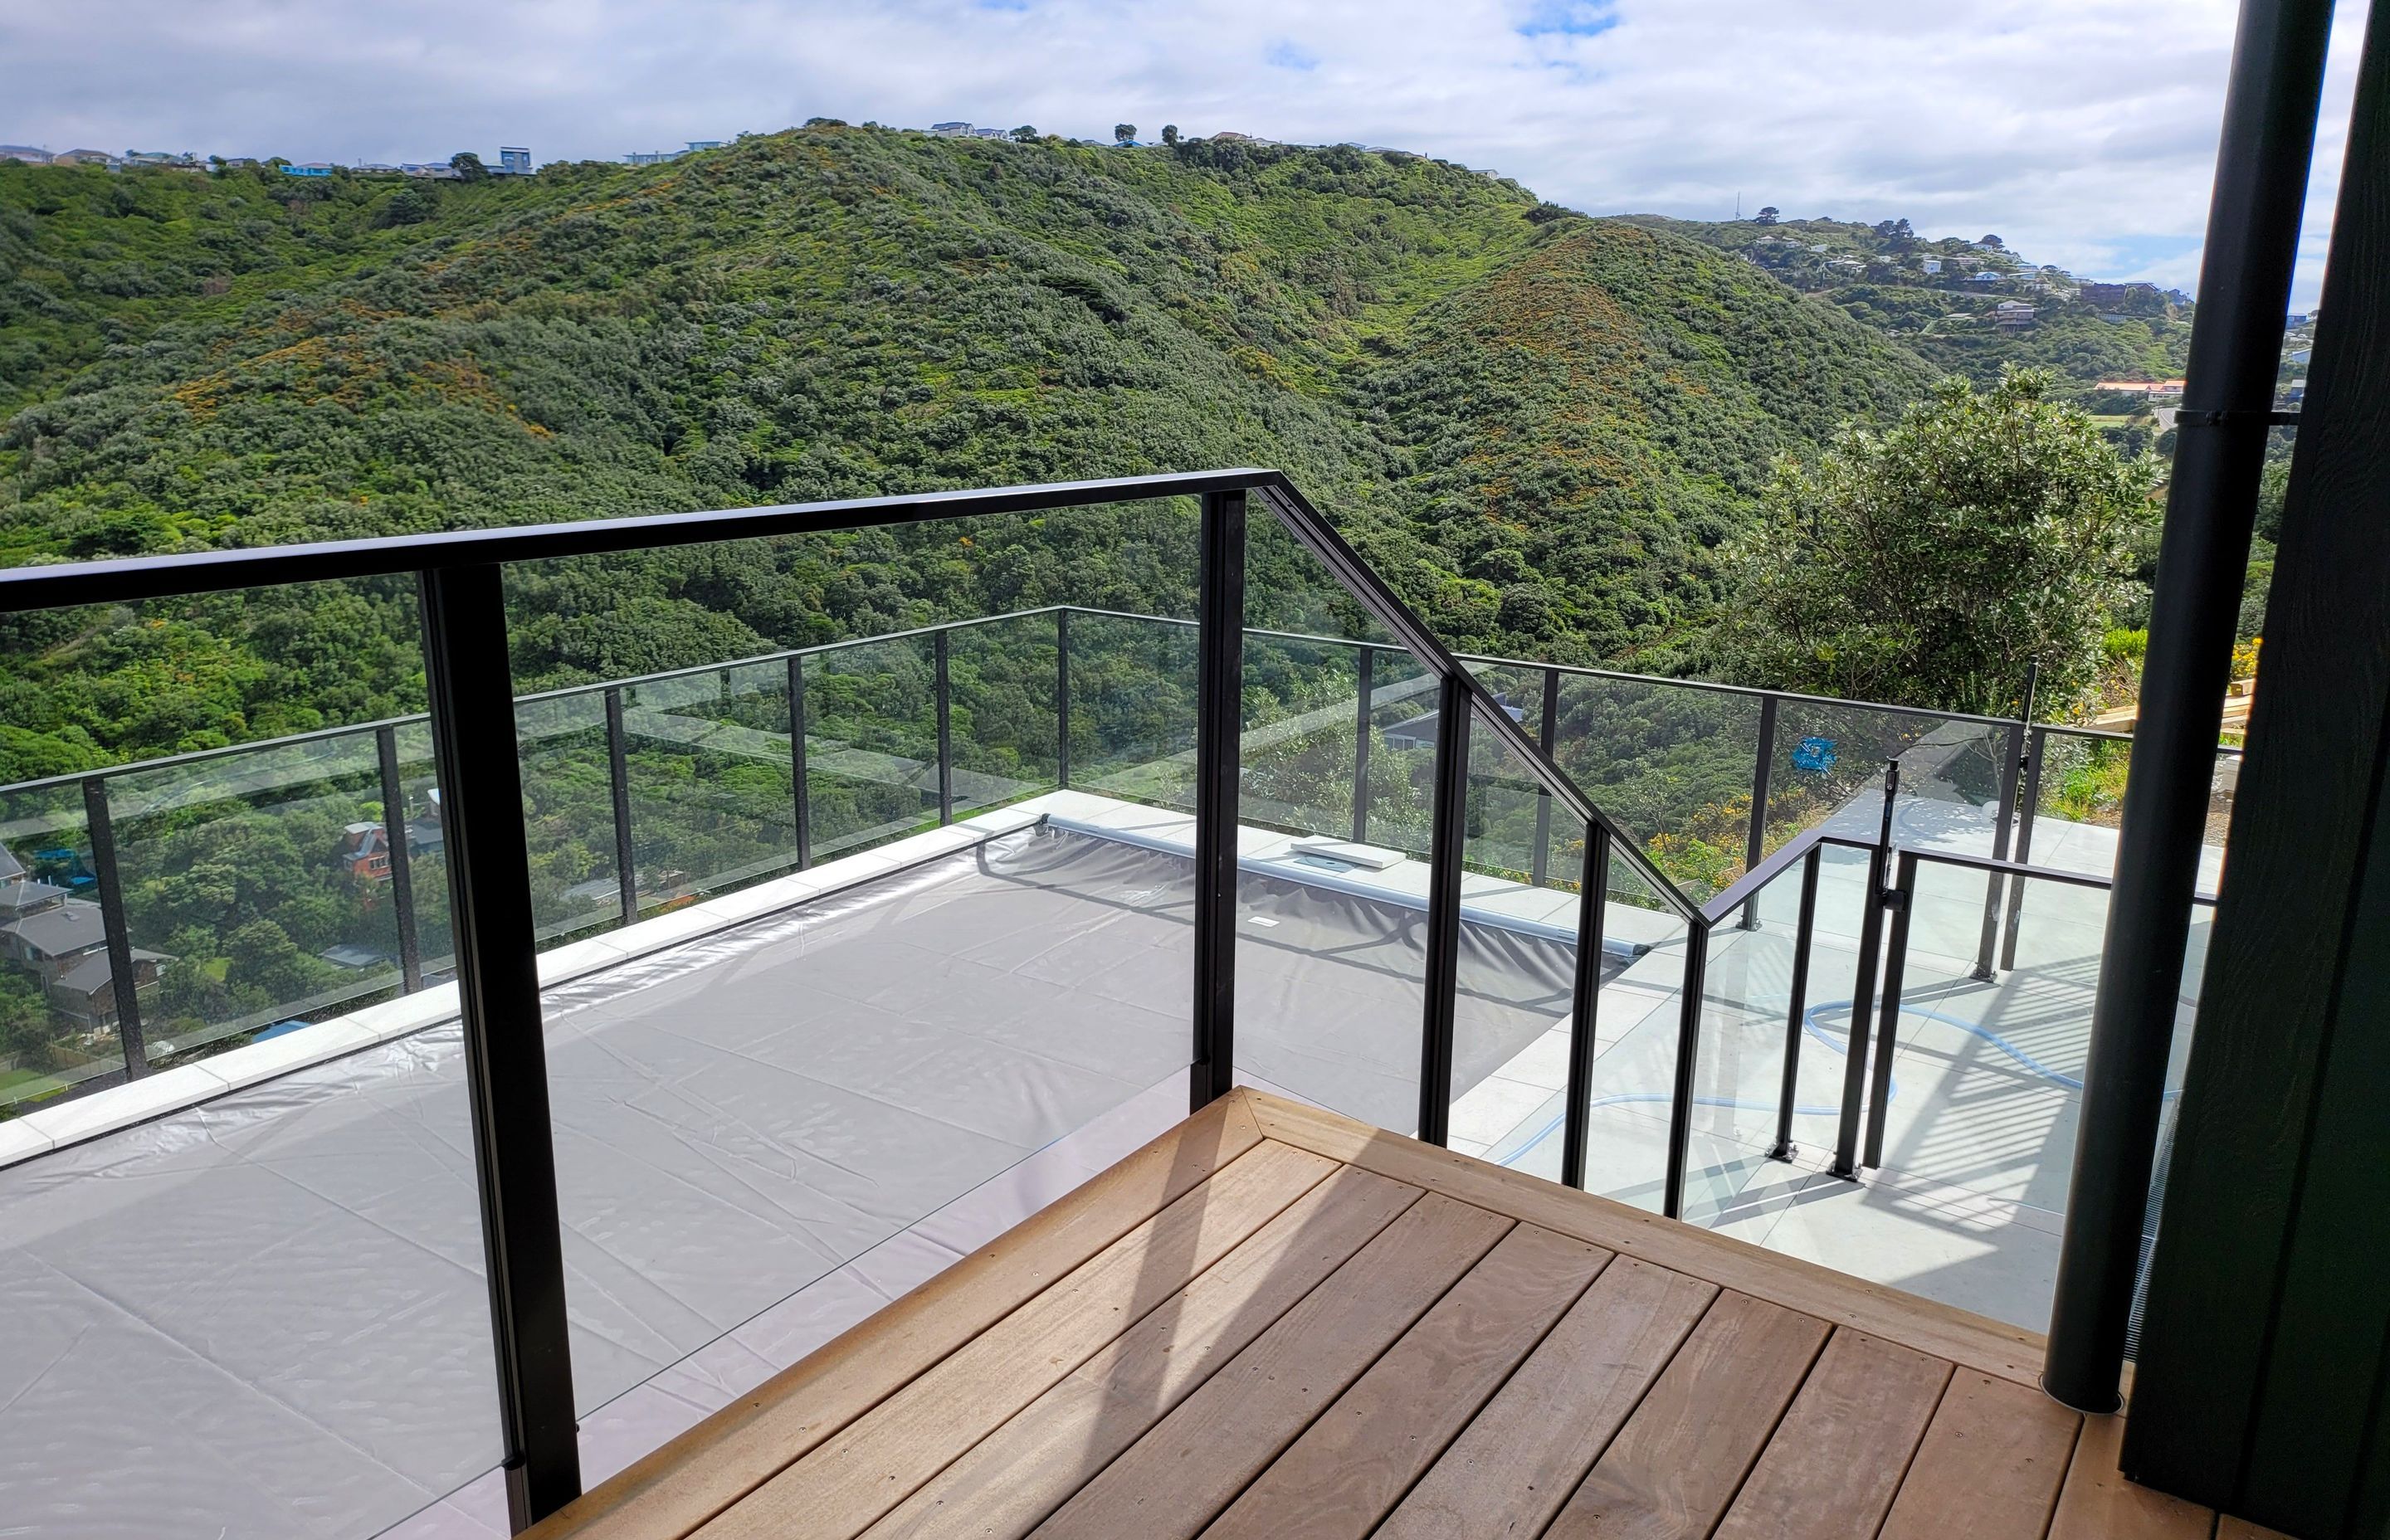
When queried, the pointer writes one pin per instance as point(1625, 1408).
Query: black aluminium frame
point(476, 752)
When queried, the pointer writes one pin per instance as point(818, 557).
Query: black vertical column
point(505, 1058)
point(402, 860)
point(942, 658)
point(1364, 682)
point(122, 982)
point(1755, 843)
point(803, 805)
point(1062, 698)
point(1219, 705)
point(618, 780)
point(2244, 286)
point(1584, 1000)
point(1442, 981)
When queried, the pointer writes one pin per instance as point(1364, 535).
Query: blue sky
point(2081, 131)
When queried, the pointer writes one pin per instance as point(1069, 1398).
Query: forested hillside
point(1540, 426)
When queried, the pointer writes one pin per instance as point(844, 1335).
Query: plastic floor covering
point(265, 1316)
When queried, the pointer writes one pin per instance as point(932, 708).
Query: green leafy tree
point(468, 166)
point(1170, 134)
point(1124, 133)
point(1929, 563)
point(1025, 134)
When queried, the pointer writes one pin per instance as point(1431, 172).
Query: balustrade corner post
point(1062, 697)
point(618, 780)
point(1855, 1064)
point(1547, 735)
point(1754, 844)
point(1995, 886)
point(402, 859)
point(1688, 1050)
point(1593, 898)
point(1448, 832)
point(2036, 744)
point(939, 653)
point(474, 744)
point(1797, 1011)
point(125, 984)
point(1219, 705)
point(1365, 678)
point(803, 805)
point(1902, 901)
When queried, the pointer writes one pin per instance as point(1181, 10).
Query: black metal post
point(1219, 708)
point(1795, 1015)
point(1901, 901)
point(506, 1062)
point(1755, 845)
point(1546, 735)
point(1364, 682)
point(1855, 1066)
point(2012, 764)
point(946, 734)
point(1688, 1050)
point(2036, 744)
point(1994, 886)
point(2252, 231)
point(1062, 698)
point(804, 810)
point(618, 773)
point(1448, 834)
point(402, 860)
point(121, 979)
point(1584, 998)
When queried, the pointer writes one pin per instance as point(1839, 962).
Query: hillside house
point(365, 852)
point(25, 153)
point(2012, 313)
point(513, 160)
point(951, 131)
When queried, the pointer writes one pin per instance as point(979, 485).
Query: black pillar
point(2252, 232)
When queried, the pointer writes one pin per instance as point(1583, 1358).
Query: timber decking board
point(1276, 1322)
point(1837, 1458)
point(1526, 1450)
point(1989, 1467)
point(1192, 1463)
point(1342, 1476)
point(1012, 1478)
point(853, 1478)
point(1679, 1460)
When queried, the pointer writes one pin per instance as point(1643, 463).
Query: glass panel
point(871, 743)
point(707, 756)
point(1672, 763)
point(1302, 702)
point(1332, 937)
point(568, 822)
point(51, 1038)
point(1517, 973)
point(1001, 712)
point(1738, 1077)
point(1829, 769)
point(1637, 1022)
point(257, 892)
point(1402, 752)
point(2082, 800)
point(1132, 709)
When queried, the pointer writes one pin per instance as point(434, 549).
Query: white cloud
point(2082, 131)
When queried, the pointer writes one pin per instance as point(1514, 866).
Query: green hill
point(1539, 425)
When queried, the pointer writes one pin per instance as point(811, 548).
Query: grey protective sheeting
point(265, 1316)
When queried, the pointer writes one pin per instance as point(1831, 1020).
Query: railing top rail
point(1746, 887)
point(1363, 583)
point(63, 583)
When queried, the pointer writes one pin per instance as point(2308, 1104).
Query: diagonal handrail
point(1359, 577)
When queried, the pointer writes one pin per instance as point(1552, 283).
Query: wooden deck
point(1276, 1322)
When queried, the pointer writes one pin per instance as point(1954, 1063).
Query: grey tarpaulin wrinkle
point(265, 1315)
